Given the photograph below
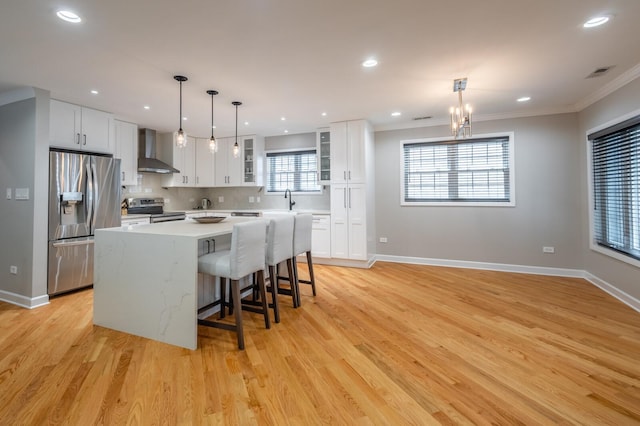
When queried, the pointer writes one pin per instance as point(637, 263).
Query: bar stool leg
point(235, 289)
point(273, 280)
point(223, 297)
point(295, 294)
point(311, 277)
point(263, 298)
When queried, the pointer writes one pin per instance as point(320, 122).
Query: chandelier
point(460, 115)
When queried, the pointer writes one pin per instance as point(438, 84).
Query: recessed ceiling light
point(246, 123)
point(283, 118)
point(286, 131)
point(146, 107)
point(213, 127)
point(524, 99)
point(396, 114)
point(597, 21)
point(370, 63)
point(94, 92)
point(184, 119)
point(324, 114)
point(69, 16)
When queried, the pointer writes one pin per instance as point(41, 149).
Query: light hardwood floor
point(397, 344)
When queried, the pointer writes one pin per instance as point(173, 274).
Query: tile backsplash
point(150, 185)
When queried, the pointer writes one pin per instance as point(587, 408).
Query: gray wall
point(621, 275)
point(547, 201)
point(23, 164)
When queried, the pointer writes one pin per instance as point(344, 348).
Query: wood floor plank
point(395, 344)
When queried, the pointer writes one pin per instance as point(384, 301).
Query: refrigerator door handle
point(90, 196)
point(73, 243)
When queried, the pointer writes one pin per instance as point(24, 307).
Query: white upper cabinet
point(348, 151)
point(126, 149)
point(323, 153)
point(252, 160)
point(79, 128)
point(183, 159)
point(205, 164)
point(246, 168)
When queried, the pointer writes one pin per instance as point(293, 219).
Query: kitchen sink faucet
point(291, 202)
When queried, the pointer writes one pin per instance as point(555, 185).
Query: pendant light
point(213, 146)
point(181, 137)
point(236, 147)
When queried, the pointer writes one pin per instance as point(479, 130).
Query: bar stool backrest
point(279, 240)
point(247, 248)
point(302, 233)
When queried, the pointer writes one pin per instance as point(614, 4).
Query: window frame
point(593, 244)
point(291, 151)
point(452, 203)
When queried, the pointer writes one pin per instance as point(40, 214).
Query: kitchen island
point(145, 278)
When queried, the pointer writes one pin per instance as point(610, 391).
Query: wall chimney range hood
point(147, 161)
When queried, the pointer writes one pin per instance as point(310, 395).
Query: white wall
point(619, 274)
point(547, 201)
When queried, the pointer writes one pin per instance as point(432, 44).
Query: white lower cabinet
point(348, 221)
point(131, 221)
point(321, 236)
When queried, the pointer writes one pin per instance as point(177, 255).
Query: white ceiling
point(299, 58)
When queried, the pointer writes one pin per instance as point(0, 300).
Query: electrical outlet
point(383, 239)
point(548, 249)
point(13, 270)
point(221, 199)
point(257, 199)
point(252, 200)
point(8, 193)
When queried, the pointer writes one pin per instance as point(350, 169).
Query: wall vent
point(426, 117)
point(598, 72)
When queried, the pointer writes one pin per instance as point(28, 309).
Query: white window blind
point(615, 155)
point(296, 171)
point(468, 171)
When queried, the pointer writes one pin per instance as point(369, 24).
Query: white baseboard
point(625, 298)
point(333, 261)
point(24, 301)
point(522, 269)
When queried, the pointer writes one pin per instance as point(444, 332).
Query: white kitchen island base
point(146, 279)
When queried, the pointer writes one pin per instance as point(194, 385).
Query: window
point(615, 173)
point(460, 172)
point(295, 170)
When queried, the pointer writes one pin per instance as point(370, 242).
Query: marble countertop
point(181, 228)
point(214, 211)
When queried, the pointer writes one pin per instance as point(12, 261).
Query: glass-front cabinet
point(323, 150)
point(252, 159)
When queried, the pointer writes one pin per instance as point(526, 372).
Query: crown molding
point(623, 79)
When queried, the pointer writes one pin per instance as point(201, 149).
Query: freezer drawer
point(70, 264)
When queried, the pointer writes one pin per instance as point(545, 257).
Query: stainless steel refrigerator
point(84, 195)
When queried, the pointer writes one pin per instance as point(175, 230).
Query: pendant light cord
point(180, 124)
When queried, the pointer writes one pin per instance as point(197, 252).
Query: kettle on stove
point(205, 203)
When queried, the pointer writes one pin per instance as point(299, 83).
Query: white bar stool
point(303, 225)
point(280, 249)
point(246, 256)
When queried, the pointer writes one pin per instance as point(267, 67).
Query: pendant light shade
point(181, 137)
point(213, 145)
point(236, 147)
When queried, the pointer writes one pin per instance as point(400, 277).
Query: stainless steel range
point(153, 207)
